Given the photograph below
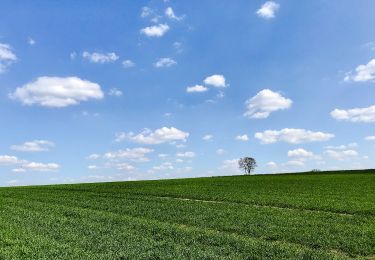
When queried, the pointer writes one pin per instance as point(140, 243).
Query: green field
point(323, 215)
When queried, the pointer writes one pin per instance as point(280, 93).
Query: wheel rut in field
point(257, 205)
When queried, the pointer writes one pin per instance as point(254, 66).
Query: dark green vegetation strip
point(305, 216)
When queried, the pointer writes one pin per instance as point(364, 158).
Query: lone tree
point(247, 164)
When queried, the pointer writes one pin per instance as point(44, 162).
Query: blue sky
point(129, 90)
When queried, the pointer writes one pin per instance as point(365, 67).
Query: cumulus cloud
point(268, 10)
point(164, 62)
point(124, 167)
point(97, 57)
point(159, 136)
point(264, 103)
point(272, 165)
point(40, 167)
point(186, 154)
point(128, 64)
point(196, 88)
point(243, 138)
point(133, 154)
point(220, 151)
point(73, 55)
point(24, 165)
point(163, 155)
point(300, 153)
point(164, 166)
point(9, 160)
point(356, 115)
point(342, 147)
point(294, 163)
point(341, 154)
point(208, 137)
point(115, 92)
point(362, 73)
point(171, 15)
point(230, 166)
point(292, 136)
point(92, 167)
point(31, 41)
point(370, 138)
point(303, 155)
point(216, 81)
point(18, 170)
point(57, 92)
point(33, 146)
point(93, 156)
point(7, 57)
point(146, 11)
point(178, 47)
point(155, 30)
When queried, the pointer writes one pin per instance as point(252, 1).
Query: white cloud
point(93, 156)
point(264, 103)
point(73, 55)
point(7, 57)
point(171, 15)
point(164, 166)
point(268, 10)
point(362, 73)
point(186, 154)
point(271, 165)
point(168, 114)
point(342, 147)
point(124, 167)
point(243, 138)
point(9, 160)
point(115, 92)
point(163, 155)
point(134, 154)
point(196, 88)
point(25, 165)
point(159, 136)
point(146, 11)
point(216, 81)
point(18, 170)
point(302, 153)
point(164, 62)
point(295, 163)
point(220, 151)
point(96, 57)
point(155, 30)
point(33, 146)
point(341, 154)
point(370, 138)
point(128, 64)
point(293, 136)
point(356, 115)
point(40, 167)
point(208, 137)
point(92, 167)
point(57, 92)
point(31, 41)
point(178, 47)
point(230, 165)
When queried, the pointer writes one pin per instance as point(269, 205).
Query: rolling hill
point(325, 215)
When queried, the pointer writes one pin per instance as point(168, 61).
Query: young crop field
point(326, 215)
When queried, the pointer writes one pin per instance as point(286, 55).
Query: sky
point(94, 91)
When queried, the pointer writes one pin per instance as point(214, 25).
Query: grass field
point(327, 215)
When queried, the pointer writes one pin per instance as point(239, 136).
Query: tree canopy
point(247, 164)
